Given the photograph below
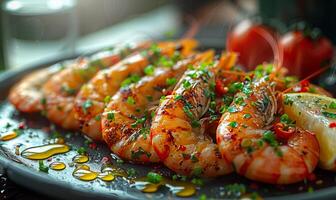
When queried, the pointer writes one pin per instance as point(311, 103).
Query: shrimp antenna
point(193, 29)
point(307, 78)
point(277, 52)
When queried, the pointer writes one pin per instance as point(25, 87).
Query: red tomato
point(248, 39)
point(302, 55)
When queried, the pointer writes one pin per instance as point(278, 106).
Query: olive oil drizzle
point(44, 151)
point(179, 188)
point(8, 136)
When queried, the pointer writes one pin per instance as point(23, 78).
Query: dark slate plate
point(61, 184)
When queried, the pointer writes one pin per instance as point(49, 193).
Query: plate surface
point(61, 184)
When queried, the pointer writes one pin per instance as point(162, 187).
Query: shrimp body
point(245, 139)
point(26, 95)
point(126, 125)
point(175, 131)
point(98, 91)
point(60, 90)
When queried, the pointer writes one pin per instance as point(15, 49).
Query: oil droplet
point(106, 176)
point(84, 173)
point(17, 150)
point(8, 136)
point(44, 151)
point(86, 167)
point(80, 159)
point(179, 188)
point(57, 166)
point(115, 171)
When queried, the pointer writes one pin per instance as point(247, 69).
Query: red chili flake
point(311, 177)
point(182, 148)
point(49, 159)
point(105, 160)
point(22, 125)
point(304, 89)
point(168, 92)
point(219, 88)
point(304, 83)
point(332, 125)
point(92, 145)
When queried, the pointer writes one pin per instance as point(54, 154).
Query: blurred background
point(34, 31)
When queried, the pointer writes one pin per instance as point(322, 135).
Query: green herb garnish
point(86, 105)
point(42, 167)
point(154, 177)
point(171, 81)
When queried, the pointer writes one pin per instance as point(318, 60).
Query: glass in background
point(35, 30)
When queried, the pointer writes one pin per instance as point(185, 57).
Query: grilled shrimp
point(26, 95)
point(175, 130)
point(93, 96)
point(246, 139)
point(126, 124)
point(60, 90)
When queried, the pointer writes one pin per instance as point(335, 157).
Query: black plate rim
point(32, 179)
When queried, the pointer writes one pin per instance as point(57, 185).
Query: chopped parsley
point(329, 114)
point(178, 97)
point(232, 109)
point(110, 115)
point(68, 90)
point(43, 101)
point(154, 177)
point(145, 132)
point(86, 105)
point(247, 90)
point(149, 70)
point(247, 116)
point(269, 138)
point(171, 81)
point(194, 158)
point(154, 48)
point(197, 171)
point(233, 124)
point(139, 152)
point(149, 98)
point(235, 87)
point(131, 172)
point(202, 197)
point(332, 105)
point(107, 99)
point(197, 181)
point(286, 120)
point(130, 100)
point(42, 167)
point(162, 98)
point(139, 121)
point(235, 190)
point(288, 101)
point(165, 62)
point(81, 151)
point(186, 84)
point(131, 79)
